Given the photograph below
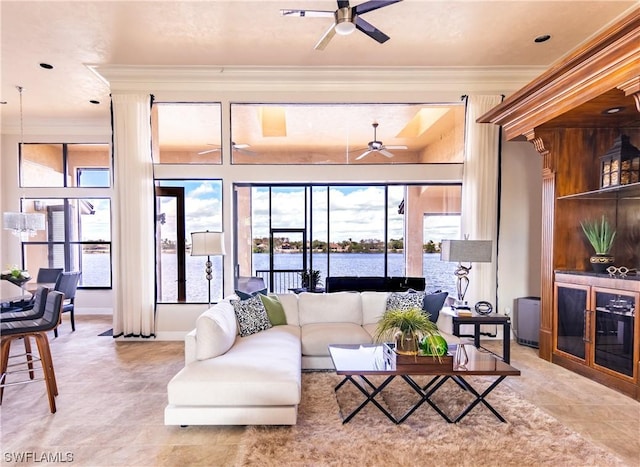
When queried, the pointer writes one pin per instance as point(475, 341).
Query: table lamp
point(465, 251)
point(207, 244)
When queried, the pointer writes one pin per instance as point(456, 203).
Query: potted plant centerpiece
point(310, 279)
point(405, 327)
point(600, 235)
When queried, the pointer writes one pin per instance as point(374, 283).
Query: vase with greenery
point(310, 279)
point(405, 328)
point(15, 275)
point(601, 236)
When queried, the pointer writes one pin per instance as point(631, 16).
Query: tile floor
point(112, 396)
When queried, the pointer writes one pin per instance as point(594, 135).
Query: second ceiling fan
point(234, 147)
point(378, 146)
point(346, 20)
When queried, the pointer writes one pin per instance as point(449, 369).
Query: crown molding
point(59, 126)
point(123, 78)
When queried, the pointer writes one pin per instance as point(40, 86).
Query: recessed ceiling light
point(46, 66)
point(93, 101)
point(543, 38)
point(613, 110)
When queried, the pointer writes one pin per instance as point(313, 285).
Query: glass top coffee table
point(358, 363)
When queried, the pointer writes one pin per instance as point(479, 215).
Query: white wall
point(519, 243)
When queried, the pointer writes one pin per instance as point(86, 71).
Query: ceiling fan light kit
point(344, 25)
point(346, 20)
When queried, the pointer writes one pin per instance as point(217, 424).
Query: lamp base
point(460, 306)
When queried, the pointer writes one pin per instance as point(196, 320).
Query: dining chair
point(48, 275)
point(25, 329)
point(67, 283)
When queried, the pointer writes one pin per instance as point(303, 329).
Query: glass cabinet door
point(614, 330)
point(571, 302)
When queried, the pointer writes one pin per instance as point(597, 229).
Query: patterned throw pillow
point(252, 316)
point(404, 301)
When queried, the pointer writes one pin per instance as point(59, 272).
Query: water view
point(438, 274)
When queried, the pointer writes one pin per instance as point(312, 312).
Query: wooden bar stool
point(25, 329)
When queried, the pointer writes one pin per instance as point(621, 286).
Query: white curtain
point(480, 193)
point(134, 255)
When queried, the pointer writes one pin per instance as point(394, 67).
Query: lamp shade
point(466, 251)
point(207, 243)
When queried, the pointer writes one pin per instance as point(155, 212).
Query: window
point(346, 230)
point(188, 133)
point(347, 133)
point(185, 206)
point(65, 165)
point(77, 237)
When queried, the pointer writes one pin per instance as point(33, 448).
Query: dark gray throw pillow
point(433, 303)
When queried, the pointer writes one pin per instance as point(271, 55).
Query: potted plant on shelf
point(600, 235)
point(310, 279)
point(406, 328)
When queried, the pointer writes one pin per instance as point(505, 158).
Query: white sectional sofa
point(256, 380)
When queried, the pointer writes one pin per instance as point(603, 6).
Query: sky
point(357, 213)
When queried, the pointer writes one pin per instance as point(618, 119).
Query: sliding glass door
point(345, 230)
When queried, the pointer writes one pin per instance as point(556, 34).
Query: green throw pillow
point(274, 308)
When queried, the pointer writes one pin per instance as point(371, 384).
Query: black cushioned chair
point(48, 275)
point(67, 283)
point(25, 329)
point(373, 284)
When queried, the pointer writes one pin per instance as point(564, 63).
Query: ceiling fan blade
point(245, 151)
point(385, 153)
point(328, 35)
point(363, 155)
point(307, 13)
point(372, 5)
point(202, 153)
point(396, 147)
point(371, 30)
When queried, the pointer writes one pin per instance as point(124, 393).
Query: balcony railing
point(283, 279)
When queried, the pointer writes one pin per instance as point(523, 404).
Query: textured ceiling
point(71, 34)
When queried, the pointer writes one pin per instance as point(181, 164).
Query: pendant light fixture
point(23, 224)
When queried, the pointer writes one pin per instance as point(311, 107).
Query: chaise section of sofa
point(255, 381)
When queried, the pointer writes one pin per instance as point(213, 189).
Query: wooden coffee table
point(357, 363)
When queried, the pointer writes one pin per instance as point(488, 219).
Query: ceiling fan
point(378, 146)
point(235, 147)
point(346, 20)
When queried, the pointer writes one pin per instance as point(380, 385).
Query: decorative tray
point(396, 361)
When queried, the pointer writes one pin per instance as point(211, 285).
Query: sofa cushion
point(405, 301)
point(317, 337)
point(274, 308)
point(263, 369)
point(252, 316)
point(374, 304)
point(290, 304)
point(339, 307)
point(216, 331)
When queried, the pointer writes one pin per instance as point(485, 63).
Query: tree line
point(261, 245)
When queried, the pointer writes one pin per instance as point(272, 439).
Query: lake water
point(438, 274)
